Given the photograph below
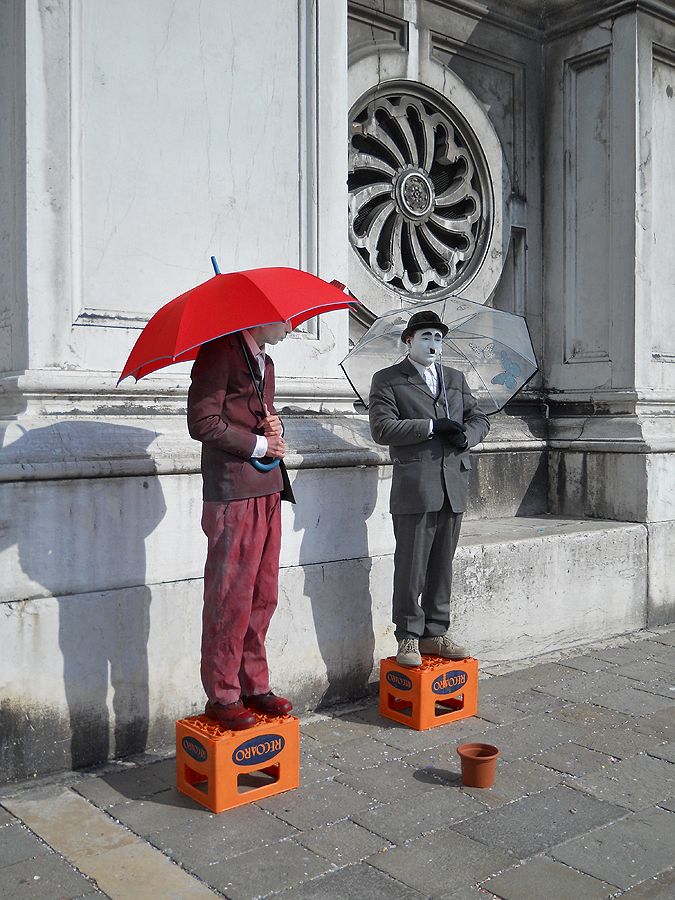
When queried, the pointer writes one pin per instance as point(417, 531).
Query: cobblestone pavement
point(583, 805)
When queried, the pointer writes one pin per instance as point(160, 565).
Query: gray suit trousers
point(425, 547)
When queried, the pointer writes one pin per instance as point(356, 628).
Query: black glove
point(459, 441)
point(448, 428)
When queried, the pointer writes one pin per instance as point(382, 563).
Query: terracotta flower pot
point(479, 762)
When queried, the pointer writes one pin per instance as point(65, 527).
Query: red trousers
point(241, 586)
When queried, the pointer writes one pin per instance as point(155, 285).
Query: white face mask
point(270, 334)
point(425, 346)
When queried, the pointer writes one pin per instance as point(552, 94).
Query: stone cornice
point(546, 21)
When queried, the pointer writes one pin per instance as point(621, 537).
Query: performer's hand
point(448, 427)
point(276, 446)
point(271, 425)
point(458, 441)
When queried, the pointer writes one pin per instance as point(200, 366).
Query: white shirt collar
point(423, 370)
point(257, 352)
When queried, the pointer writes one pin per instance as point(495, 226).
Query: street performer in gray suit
point(430, 420)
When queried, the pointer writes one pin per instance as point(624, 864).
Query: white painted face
point(425, 346)
point(270, 334)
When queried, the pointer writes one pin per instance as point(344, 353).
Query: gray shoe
point(408, 653)
point(441, 645)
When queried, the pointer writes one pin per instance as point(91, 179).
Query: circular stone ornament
point(420, 194)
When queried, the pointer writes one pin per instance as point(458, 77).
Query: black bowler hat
point(426, 319)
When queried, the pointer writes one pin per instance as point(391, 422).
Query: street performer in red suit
point(241, 519)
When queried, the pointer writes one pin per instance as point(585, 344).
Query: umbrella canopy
point(491, 347)
point(225, 304)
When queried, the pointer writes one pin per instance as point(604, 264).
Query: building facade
point(140, 138)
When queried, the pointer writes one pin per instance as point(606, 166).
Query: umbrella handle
point(264, 467)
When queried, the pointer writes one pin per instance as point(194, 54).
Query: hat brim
point(439, 326)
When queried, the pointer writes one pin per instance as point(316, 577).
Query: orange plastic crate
point(222, 769)
point(438, 691)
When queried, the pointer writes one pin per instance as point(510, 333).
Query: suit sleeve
point(386, 424)
point(477, 423)
point(206, 396)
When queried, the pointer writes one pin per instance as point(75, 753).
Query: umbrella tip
point(216, 267)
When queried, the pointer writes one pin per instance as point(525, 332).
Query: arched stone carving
point(428, 184)
point(420, 197)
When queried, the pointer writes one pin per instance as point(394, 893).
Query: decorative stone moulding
point(429, 191)
point(419, 195)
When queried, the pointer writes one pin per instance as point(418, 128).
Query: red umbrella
point(225, 304)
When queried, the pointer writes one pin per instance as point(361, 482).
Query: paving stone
point(407, 739)
point(626, 852)
point(513, 781)
point(527, 882)
point(634, 783)
point(165, 770)
point(6, 818)
point(573, 759)
point(634, 652)
point(314, 769)
point(221, 837)
point(139, 871)
point(117, 787)
point(664, 637)
point(361, 753)
point(498, 712)
point(659, 724)
point(17, 843)
point(529, 736)
point(523, 680)
point(337, 729)
point(45, 877)
point(660, 888)
point(646, 670)
point(536, 823)
point(635, 702)
point(69, 823)
point(580, 686)
point(659, 651)
point(162, 810)
point(343, 842)
point(619, 742)
point(441, 863)
point(534, 701)
point(361, 882)
point(668, 804)
point(663, 687)
point(405, 819)
point(260, 872)
point(667, 752)
point(391, 781)
point(316, 804)
point(586, 663)
point(590, 716)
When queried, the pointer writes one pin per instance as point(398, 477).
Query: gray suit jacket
point(400, 407)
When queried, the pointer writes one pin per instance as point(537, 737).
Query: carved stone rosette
point(419, 199)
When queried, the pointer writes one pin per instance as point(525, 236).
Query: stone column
point(609, 269)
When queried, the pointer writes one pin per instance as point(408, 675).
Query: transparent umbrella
point(491, 347)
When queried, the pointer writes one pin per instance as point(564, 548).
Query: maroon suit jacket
point(224, 413)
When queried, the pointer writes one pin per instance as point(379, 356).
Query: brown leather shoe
point(268, 703)
point(234, 716)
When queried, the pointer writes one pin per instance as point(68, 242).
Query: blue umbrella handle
point(264, 467)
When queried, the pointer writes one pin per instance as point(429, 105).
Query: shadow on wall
point(82, 541)
point(332, 512)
